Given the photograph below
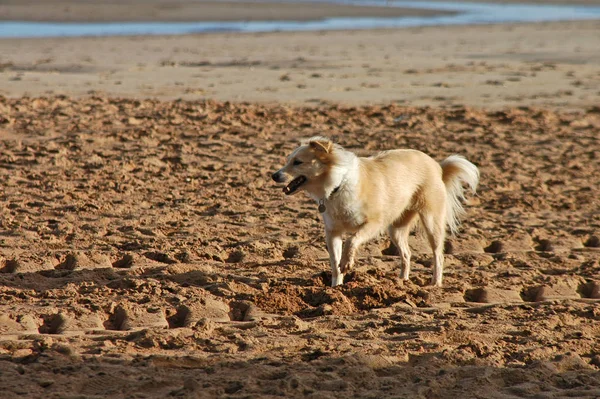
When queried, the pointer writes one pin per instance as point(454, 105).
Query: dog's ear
point(321, 146)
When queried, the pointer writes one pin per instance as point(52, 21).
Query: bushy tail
point(456, 171)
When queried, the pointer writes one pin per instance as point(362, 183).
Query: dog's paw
point(337, 280)
point(345, 267)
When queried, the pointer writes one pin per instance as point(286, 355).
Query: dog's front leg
point(334, 247)
point(364, 234)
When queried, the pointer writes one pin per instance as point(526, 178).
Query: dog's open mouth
point(294, 185)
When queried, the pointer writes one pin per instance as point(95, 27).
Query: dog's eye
point(297, 162)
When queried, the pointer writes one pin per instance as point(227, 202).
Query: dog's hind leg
point(399, 232)
point(434, 224)
point(334, 247)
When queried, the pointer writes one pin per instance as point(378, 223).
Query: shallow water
point(467, 14)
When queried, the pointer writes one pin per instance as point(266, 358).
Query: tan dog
point(364, 196)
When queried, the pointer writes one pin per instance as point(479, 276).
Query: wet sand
point(145, 252)
point(190, 11)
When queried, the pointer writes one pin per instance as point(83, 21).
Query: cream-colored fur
point(389, 191)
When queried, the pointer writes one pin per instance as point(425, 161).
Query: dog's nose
point(277, 177)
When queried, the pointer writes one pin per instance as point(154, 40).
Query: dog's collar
point(335, 190)
point(322, 207)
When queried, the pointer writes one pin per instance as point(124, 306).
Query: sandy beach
point(145, 252)
point(551, 64)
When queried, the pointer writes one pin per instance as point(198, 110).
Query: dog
point(392, 190)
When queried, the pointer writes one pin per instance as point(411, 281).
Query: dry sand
point(145, 253)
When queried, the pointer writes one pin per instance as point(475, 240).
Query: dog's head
point(306, 166)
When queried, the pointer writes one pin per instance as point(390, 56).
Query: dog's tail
point(456, 170)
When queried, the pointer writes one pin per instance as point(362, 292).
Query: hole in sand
point(239, 310)
point(448, 247)
point(68, 263)
point(53, 324)
point(10, 266)
point(530, 294)
point(159, 257)
point(590, 289)
point(592, 242)
point(115, 320)
point(473, 295)
point(125, 262)
point(391, 250)
point(236, 256)
point(291, 252)
point(494, 247)
point(544, 246)
point(178, 319)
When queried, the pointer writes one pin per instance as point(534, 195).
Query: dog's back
point(399, 180)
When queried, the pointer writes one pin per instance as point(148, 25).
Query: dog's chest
point(343, 214)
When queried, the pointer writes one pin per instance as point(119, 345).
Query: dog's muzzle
point(278, 177)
